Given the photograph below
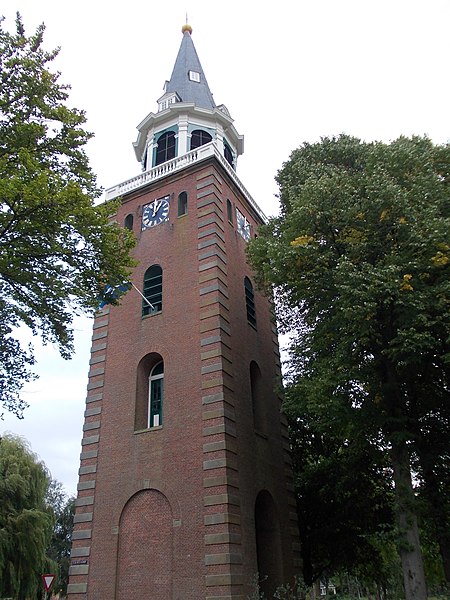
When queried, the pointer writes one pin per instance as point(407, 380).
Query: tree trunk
point(409, 545)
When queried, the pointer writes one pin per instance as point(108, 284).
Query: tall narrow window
point(228, 154)
point(258, 404)
point(152, 301)
point(166, 147)
point(144, 160)
point(199, 138)
point(250, 302)
point(182, 204)
point(156, 395)
point(148, 371)
point(129, 222)
point(229, 211)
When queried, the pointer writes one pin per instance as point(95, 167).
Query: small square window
point(194, 76)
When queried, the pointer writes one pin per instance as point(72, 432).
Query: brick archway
point(145, 552)
point(268, 543)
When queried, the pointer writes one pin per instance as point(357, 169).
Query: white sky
point(289, 72)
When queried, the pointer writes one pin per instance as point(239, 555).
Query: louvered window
point(152, 301)
point(250, 302)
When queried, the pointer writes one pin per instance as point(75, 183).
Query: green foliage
point(360, 261)
point(298, 591)
point(60, 545)
point(57, 248)
point(344, 502)
point(25, 522)
point(432, 467)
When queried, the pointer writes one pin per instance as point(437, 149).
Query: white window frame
point(157, 418)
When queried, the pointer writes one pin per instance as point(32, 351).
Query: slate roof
point(190, 91)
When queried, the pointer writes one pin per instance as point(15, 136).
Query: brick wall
point(186, 490)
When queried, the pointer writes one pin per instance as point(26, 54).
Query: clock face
point(156, 212)
point(243, 226)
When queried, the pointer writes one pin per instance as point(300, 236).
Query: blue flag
point(112, 293)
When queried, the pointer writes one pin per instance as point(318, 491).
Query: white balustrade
point(176, 164)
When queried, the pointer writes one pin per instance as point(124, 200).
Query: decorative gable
point(167, 99)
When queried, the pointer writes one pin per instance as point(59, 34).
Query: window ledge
point(152, 314)
point(157, 428)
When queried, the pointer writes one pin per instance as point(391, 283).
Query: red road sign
point(48, 580)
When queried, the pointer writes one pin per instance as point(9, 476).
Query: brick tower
point(185, 486)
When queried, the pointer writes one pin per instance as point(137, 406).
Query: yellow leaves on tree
point(405, 286)
point(302, 241)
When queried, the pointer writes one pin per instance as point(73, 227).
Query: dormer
point(167, 99)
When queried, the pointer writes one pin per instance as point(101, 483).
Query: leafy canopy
point(57, 248)
point(360, 261)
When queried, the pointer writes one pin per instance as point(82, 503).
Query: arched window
point(152, 301)
point(129, 222)
point(250, 302)
point(199, 138)
point(229, 211)
point(182, 204)
point(149, 385)
point(228, 154)
point(166, 147)
point(258, 404)
point(155, 395)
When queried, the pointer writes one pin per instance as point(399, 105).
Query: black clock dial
point(156, 212)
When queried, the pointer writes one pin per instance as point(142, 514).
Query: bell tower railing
point(177, 164)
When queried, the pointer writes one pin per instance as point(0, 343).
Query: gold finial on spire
point(186, 27)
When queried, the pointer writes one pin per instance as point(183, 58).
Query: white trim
point(177, 164)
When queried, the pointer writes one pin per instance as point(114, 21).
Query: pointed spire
point(188, 79)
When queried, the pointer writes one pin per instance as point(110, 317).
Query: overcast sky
point(289, 72)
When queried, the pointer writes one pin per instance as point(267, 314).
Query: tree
point(344, 502)
point(359, 258)
point(58, 249)
point(25, 522)
point(61, 542)
point(433, 474)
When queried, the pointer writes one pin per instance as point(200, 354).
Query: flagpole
point(112, 293)
point(143, 297)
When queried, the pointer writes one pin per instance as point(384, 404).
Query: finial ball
point(187, 28)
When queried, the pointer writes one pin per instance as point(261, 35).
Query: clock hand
point(156, 207)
